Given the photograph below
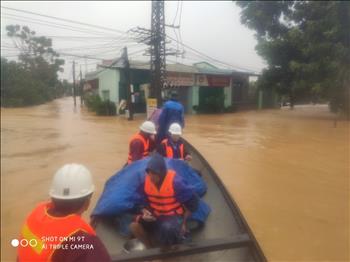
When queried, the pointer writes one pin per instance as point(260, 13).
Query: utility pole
point(74, 91)
point(81, 88)
point(155, 38)
point(128, 85)
point(157, 42)
point(85, 66)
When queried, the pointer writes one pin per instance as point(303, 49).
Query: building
point(202, 87)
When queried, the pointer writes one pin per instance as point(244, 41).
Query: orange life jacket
point(169, 149)
point(145, 142)
point(42, 232)
point(163, 201)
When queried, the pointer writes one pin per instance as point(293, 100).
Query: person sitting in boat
point(142, 143)
point(173, 147)
point(54, 230)
point(169, 203)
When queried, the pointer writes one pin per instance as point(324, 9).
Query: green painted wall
point(260, 99)
point(228, 96)
point(193, 100)
point(109, 81)
point(195, 95)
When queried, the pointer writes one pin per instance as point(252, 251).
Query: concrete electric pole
point(128, 81)
point(74, 89)
point(157, 44)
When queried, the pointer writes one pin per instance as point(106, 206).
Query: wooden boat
point(225, 236)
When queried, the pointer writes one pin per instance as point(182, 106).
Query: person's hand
point(188, 158)
point(147, 215)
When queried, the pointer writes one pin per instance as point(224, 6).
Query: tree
point(306, 46)
point(18, 88)
point(34, 79)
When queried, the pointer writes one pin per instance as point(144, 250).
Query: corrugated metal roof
point(215, 71)
point(145, 65)
point(181, 68)
point(93, 75)
point(197, 68)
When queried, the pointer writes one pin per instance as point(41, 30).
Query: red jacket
point(139, 147)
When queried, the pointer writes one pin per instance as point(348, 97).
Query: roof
point(177, 67)
point(93, 75)
point(215, 71)
point(204, 65)
point(145, 65)
point(196, 68)
point(209, 69)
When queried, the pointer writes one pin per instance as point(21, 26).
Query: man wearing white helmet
point(141, 144)
point(54, 230)
point(173, 147)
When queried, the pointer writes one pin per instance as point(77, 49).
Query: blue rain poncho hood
point(157, 165)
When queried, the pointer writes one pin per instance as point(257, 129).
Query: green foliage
point(92, 102)
point(106, 108)
point(102, 108)
point(34, 78)
point(307, 47)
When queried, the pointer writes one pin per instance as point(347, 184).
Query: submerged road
point(287, 170)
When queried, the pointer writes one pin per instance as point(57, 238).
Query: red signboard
point(218, 80)
point(180, 79)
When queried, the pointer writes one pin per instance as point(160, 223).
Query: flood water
point(287, 170)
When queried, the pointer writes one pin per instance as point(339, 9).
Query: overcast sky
point(211, 27)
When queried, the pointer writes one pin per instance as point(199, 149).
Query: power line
point(47, 23)
point(208, 57)
point(101, 46)
point(87, 47)
point(180, 14)
point(114, 49)
point(81, 56)
point(87, 56)
point(195, 56)
point(177, 9)
point(84, 38)
point(66, 20)
point(79, 37)
point(180, 27)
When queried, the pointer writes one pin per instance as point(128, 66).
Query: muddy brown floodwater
point(287, 170)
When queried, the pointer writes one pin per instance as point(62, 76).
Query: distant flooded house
point(201, 87)
point(91, 82)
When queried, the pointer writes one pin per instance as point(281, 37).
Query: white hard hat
point(148, 127)
point(72, 181)
point(175, 129)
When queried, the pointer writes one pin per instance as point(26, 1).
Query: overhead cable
point(66, 20)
